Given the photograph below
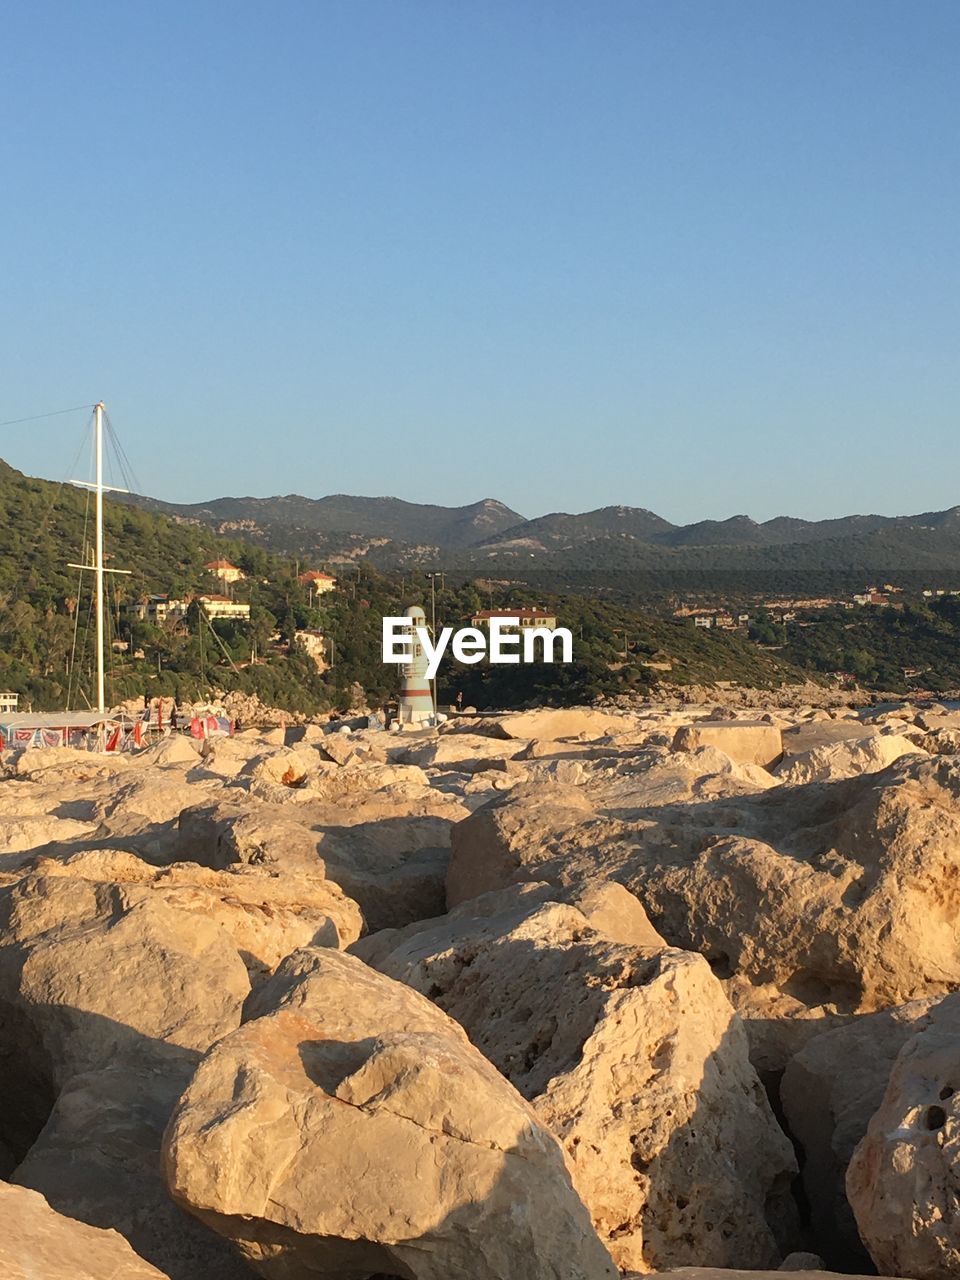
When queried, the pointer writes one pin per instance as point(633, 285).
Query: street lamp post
point(433, 628)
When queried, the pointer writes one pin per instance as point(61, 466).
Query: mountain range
point(392, 532)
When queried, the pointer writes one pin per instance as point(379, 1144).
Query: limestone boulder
point(548, 723)
point(942, 742)
point(846, 895)
point(174, 750)
point(570, 773)
point(829, 1092)
point(938, 719)
point(345, 748)
point(651, 777)
point(353, 1130)
point(607, 907)
point(265, 914)
point(846, 758)
point(107, 996)
point(97, 1160)
point(151, 798)
point(800, 739)
point(387, 855)
point(545, 723)
point(633, 1057)
point(290, 767)
point(300, 776)
point(226, 757)
point(746, 741)
point(87, 974)
point(24, 834)
point(506, 839)
point(69, 763)
point(904, 1179)
point(465, 752)
point(36, 1243)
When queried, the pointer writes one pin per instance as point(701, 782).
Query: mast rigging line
point(14, 422)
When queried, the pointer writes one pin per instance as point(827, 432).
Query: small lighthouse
point(415, 705)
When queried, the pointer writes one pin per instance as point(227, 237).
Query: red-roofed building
point(224, 570)
point(318, 582)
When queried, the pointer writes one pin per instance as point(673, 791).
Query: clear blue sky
point(694, 255)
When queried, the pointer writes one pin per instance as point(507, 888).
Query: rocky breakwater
point(629, 1052)
point(350, 1128)
point(542, 995)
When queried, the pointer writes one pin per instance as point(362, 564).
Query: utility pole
point(433, 630)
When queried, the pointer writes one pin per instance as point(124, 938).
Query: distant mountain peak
point(415, 533)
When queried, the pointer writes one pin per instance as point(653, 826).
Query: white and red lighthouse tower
point(415, 706)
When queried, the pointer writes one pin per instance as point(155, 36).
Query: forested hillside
point(45, 606)
point(619, 646)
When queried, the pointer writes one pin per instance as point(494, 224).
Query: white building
point(156, 609)
point(224, 607)
point(526, 617)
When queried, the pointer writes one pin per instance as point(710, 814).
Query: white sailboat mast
point(98, 428)
point(98, 570)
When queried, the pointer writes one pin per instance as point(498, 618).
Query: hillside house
point(224, 607)
point(318, 582)
point(526, 617)
point(225, 571)
point(156, 609)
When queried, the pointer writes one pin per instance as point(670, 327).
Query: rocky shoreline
point(545, 995)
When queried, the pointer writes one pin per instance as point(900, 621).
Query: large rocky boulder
point(632, 1056)
point(94, 975)
point(106, 1001)
point(462, 752)
point(607, 908)
point(746, 741)
point(69, 764)
point(506, 839)
point(552, 723)
point(544, 724)
point(97, 1160)
point(943, 742)
point(265, 913)
point(846, 758)
point(354, 1130)
point(829, 1093)
point(36, 1243)
point(389, 856)
point(832, 891)
point(904, 1179)
point(811, 735)
point(653, 777)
